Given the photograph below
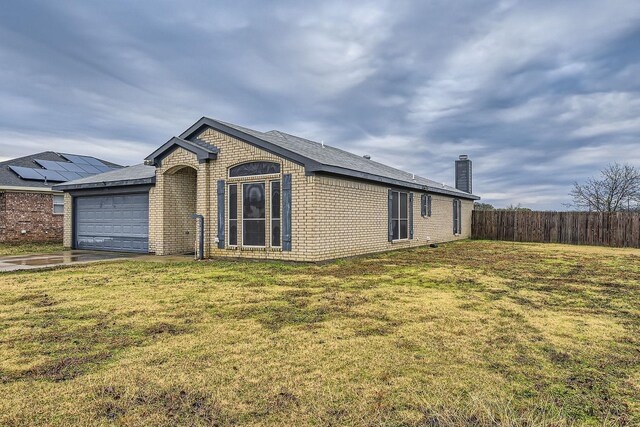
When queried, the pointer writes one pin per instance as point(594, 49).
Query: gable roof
point(321, 158)
point(10, 179)
point(201, 149)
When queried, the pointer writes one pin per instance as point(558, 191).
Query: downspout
point(200, 219)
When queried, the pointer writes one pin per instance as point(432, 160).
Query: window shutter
point(390, 203)
point(221, 187)
point(459, 217)
point(286, 212)
point(429, 205)
point(423, 205)
point(455, 216)
point(410, 215)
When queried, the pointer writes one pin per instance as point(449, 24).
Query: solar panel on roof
point(72, 167)
point(93, 161)
point(89, 168)
point(75, 159)
point(52, 175)
point(64, 166)
point(54, 171)
point(70, 175)
point(50, 165)
point(27, 173)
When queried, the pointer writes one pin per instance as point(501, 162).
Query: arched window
point(254, 168)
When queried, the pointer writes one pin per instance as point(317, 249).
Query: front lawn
point(8, 249)
point(471, 333)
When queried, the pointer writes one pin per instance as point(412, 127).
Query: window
point(253, 214)
point(254, 168)
point(399, 215)
point(233, 215)
point(58, 204)
point(275, 214)
point(457, 217)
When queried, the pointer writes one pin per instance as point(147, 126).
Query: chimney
point(463, 174)
point(366, 156)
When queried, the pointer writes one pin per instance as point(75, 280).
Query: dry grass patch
point(472, 333)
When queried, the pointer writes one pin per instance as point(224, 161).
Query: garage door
point(112, 223)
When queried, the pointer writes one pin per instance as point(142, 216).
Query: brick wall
point(179, 234)
point(67, 241)
point(232, 152)
point(31, 212)
point(351, 217)
point(331, 217)
point(181, 190)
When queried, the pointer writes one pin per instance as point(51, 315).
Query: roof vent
point(366, 156)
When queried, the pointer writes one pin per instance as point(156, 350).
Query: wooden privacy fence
point(619, 229)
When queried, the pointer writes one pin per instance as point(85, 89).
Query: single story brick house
point(30, 210)
point(262, 195)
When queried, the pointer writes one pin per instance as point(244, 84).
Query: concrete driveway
point(32, 261)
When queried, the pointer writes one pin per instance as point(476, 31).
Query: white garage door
point(112, 223)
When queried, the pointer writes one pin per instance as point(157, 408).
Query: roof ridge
point(29, 156)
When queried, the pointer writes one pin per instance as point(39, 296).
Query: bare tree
point(517, 208)
point(617, 189)
point(479, 206)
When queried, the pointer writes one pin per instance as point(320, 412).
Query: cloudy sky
point(537, 93)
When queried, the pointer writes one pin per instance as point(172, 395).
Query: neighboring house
point(263, 195)
point(29, 209)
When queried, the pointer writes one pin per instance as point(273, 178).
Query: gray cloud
point(539, 93)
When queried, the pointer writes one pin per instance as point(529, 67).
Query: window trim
point(256, 219)
point(229, 185)
point(399, 239)
point(271, 245)
point(54, 204)
point(252, 177)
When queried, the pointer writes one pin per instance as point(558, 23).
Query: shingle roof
point(9, 178)
point(325, 158)
point(131, 175)
point(204, 151)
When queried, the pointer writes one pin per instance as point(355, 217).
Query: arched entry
point(180, 191)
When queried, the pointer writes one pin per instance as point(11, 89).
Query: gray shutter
point(390, 202)
point(410, 215)
point(459, 217)
point(429, 205)
point(286, 212)
point(423, 205)
point(221, 186)
point(455, 216)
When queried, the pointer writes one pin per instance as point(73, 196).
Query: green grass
point(8, 249)
point(472, 333)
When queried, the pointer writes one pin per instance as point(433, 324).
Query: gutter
point(106, 184)
point(28, 189)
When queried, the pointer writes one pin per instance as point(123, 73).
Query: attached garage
point(110, 211)
point(118, 222)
